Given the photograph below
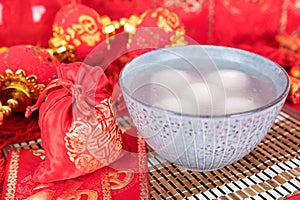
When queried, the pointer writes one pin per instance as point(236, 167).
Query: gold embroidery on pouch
point(92, 147)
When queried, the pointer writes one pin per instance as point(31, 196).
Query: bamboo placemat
point(270, 171)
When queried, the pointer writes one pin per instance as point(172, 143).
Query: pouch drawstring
point(54, 84)
point(75, 90)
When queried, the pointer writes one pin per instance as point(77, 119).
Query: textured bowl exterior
point(201, 142)
point(197, 143)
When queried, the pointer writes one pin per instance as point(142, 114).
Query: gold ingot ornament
point(17, 92)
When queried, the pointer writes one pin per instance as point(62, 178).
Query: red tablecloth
point(296, 197)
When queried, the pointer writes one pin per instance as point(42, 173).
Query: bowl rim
point(280, 97)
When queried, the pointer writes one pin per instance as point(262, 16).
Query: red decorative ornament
point(79, 29)
point(79, 26)
point(33, 60)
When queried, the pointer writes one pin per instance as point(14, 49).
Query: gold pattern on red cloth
point(40, 153)
point(86, 28)
point(105, 185)
point(119, 179)
point(143, 167)
point(166, 19)
point(20, 184)
point(91, 147)
point(72, 192)
point(12, 176)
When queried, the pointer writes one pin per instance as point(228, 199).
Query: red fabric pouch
point(78, 129)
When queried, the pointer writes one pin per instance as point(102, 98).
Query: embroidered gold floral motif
point(90, 146)
point(12, 176)
point(104, 114)
point(166, 19)
point(86, 30)
point(119, 179)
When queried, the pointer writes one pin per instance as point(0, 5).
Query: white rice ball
point(238, 104)
point(231, 80)
point(170, 79)
point(172, 103)
point(203, 98)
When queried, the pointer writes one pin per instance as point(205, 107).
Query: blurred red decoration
point(117, 9)
point(294, 95)
point(27, 21)
point(165, 29)
point(295, 72)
